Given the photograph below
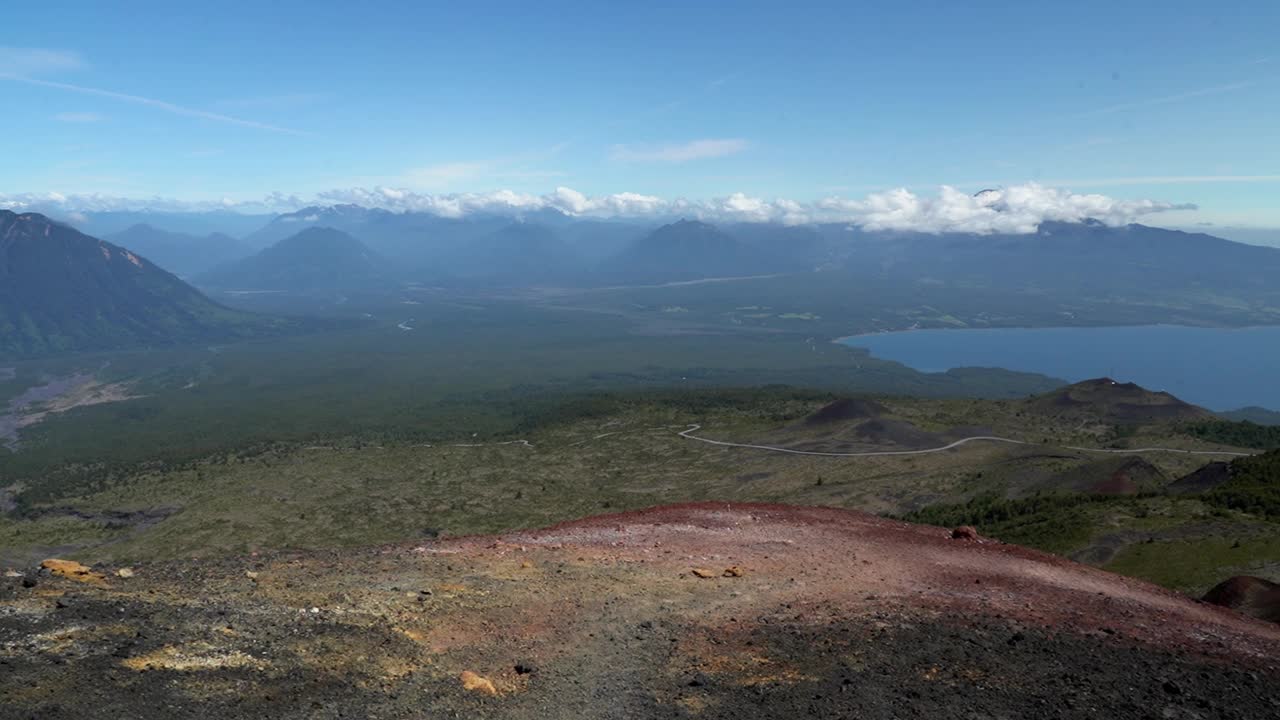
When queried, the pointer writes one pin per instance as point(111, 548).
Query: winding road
point(688, 435)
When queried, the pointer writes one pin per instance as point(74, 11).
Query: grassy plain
point(611, 452)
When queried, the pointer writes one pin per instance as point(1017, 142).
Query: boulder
point(73, 570)
point(477, 683)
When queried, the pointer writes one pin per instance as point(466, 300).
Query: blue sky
point(1172, 101)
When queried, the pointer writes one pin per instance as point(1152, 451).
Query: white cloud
point(1013, 209)
point(64, 204)
point(152, 103)
point(35, 61)
point(79, 117)
point(684, 152)
point(572, 202)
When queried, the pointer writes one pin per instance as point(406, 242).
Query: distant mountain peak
point(694, 223)
point(314, 258)
point(688, 250)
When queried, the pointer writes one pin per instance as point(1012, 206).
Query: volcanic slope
point(1116, 402)
point(707, 611)
point(1253, 596)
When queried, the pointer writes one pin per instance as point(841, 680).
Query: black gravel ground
point(67, 663)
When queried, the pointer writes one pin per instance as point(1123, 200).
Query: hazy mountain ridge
point(1087, 255)
point(180, 253)
point(103, 223)
point(687, 250)
point(518, 253)
point(315, 259)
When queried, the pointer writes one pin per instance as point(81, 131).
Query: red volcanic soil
point(841, 556)
point(709, 610)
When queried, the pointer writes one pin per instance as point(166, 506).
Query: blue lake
point(1219, 368)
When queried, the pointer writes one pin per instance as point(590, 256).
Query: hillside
point(61, 290)
point(687, 250)
point(705, 610)
point(180, 253)
point(792, 247)
point(1085, 255)
point(1253, 596)
point(315, 259)
point(518, 254)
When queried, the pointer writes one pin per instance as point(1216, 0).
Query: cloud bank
point(1015, 209)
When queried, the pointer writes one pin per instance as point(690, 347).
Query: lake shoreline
point(1221, 368)
point(841, 340)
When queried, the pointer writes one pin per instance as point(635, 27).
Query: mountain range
point(347, 247)
point(486, 248)
point(548, 246)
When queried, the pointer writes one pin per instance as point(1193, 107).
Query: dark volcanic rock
point(1250, 595)
point(1116, 402)
point(846, 409)
point(1203, 480)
